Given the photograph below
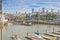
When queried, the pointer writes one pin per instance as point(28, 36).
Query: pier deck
point(56, 33)
point(30, 38)
point(53, 35)
point(47, 37)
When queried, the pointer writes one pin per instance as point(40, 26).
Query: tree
point(51, 16)
point(37, 16)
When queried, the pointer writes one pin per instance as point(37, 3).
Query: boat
point(34, 37)
point(27, 24)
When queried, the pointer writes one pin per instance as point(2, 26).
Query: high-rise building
point(39, 10)
point(47, 11)
point(32, 10)
point(25, 12)
point(58, 11)
point(52, 10)
point(43, 9)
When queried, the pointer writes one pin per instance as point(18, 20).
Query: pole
point(1, 25)
point(53, 29)
point(1, 34)
point(12, 35)
point(1, 29)
point(46, 30)
point(27, 33)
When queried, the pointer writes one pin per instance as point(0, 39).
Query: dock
point(30, 38)
point(53, 35)
point(47, 37)
point(56, 33)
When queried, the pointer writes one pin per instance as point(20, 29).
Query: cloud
point(48, 8)
point(24, 8)
point(27, 5)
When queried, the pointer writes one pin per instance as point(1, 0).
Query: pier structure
point(51, 36)
point(2, 19)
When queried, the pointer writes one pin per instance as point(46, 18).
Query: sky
point(11, 6)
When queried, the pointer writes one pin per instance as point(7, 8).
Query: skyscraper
point(32, 10)
point(58, 11)
point(47, 11)
point(52, 10)
point(43, 9)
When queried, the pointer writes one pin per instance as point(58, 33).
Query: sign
point(1, 27)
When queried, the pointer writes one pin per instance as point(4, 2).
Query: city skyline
point(11, 6)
